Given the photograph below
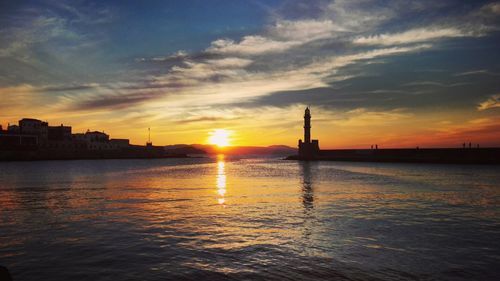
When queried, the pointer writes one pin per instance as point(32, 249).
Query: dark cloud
point(145, 85)
point(115, 101)
point(68, 88)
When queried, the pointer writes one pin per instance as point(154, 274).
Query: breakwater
point(411, 155)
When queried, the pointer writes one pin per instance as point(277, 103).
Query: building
point(308, 149)
point(96, 136)
point(30, 126)
point(18, 141)
point(97, 140)
point(100, 141)
point(119, 143)
point(59, 133)
point(34, 139)
point(13, 129)
point(12, 138)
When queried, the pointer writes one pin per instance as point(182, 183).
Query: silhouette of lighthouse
point(308, 149)
point(307, 126)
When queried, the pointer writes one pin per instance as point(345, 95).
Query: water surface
point(250, 219)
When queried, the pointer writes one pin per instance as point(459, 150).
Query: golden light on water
point(220, 137)
point(221, 179)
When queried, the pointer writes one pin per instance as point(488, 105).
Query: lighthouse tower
point(308, 149)
point(307, 126)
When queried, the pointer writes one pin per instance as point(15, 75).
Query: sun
point(219, 137)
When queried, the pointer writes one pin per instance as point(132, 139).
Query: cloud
point(289, 55)
point(475, 23)
point(54, 42)
point(345, 60)
point(18, 40)
point(305, 30)
point(477, 72)
point(230, 62)
point(347, 15)
point(494, 8)
point(280, 37)
point(227, 80)
point(211, 119)
point(85, 14)
point(147, 85)
point(25, 99)
point(364, 117)
point(250, 45)
point(27, 88)
point(177, 56)
point(435, 84)
point(492, 102)
point(236, 83)
point(116, 101)
point(483, 131)
point(411, 36)
point(491, 9)
point(68, 88)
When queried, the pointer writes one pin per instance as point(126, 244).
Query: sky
point(394, 73)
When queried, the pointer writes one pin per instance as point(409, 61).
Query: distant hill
point(230, 150)
point(183, 149)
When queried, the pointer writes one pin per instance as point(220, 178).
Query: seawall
point(413, 155)
point(133, 152)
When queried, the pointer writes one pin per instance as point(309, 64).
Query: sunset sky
point(396, 73)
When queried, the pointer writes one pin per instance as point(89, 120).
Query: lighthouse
point(307, 126)
point(308, 149)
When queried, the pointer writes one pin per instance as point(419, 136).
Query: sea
point(224, 218)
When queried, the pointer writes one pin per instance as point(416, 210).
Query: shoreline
point(35, 157)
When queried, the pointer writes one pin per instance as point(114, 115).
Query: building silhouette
point(308, 149)
point(34, 139)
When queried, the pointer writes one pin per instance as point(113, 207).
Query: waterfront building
point(8, 140)
point(34, 139)
point(96, 136)
point(59, 133)
point(119, 143)
point(97, 140)
point(13, 129)
point(30, 126)
point(13, 138)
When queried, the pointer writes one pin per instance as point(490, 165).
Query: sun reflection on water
point(221, 179)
